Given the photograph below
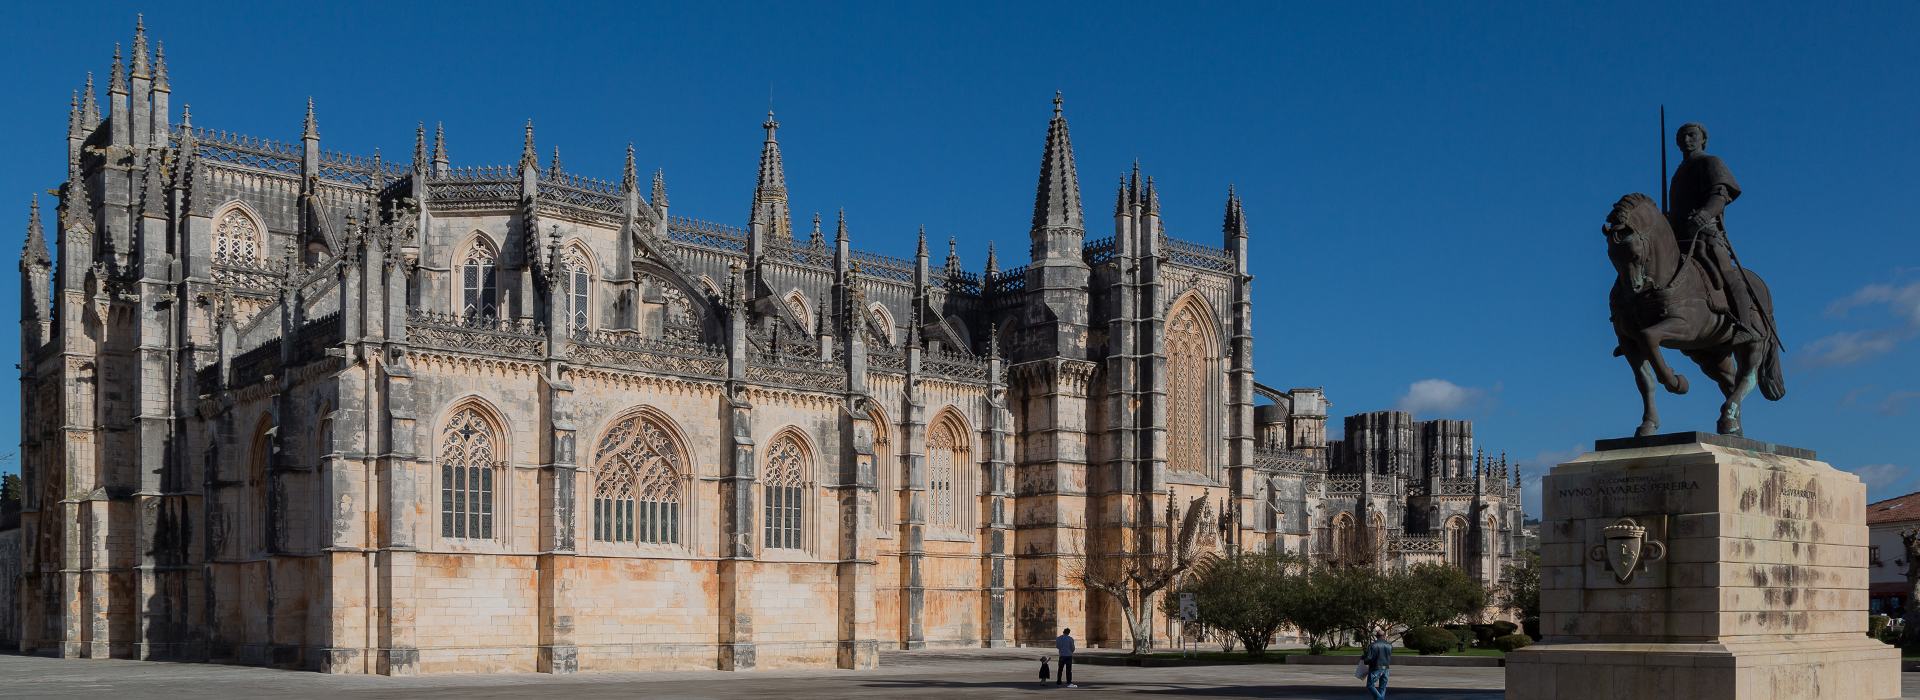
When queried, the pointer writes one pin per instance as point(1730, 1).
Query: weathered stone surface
point(1759, 592)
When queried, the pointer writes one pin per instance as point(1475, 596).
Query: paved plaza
point(996, 673)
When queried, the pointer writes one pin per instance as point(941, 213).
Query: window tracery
point(1189, 379)
point(236, 239)
point(946, 477)
point(783, 482)
point(466, 477)
point(579, 282)
point(479, 285)
point(636, 486)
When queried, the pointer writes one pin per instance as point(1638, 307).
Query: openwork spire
point(1057, 204)
point(312, 126)
point(770, 193)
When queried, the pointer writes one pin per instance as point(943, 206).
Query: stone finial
point(660, 188)
point(953, 255)
point(35, 252)
point(629, 181)
point(1120, 197)
point(555, 168)
point(117, 79)
point(840, 229)
point(419, 144)
point(1057, 203)
point(816, 238)
point(73, 116)
point(160, 69)
point(921, 252)
point(529, 160)
point(439, 145)
point(993, 261)
point(186, 115)
point(1235, 225)
point(312, 128)
point(139, 46)
point(89, 109)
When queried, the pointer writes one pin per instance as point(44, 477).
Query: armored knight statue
point(1701, 190)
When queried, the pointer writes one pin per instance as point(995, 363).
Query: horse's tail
point(1773, 381)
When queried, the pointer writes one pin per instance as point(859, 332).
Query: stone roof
point(1894, 510)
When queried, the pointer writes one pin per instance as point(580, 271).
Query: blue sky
point(1424, 184)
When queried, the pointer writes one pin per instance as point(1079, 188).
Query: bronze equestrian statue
point(1681, 286)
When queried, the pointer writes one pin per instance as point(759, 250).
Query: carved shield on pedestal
point(1627, 546)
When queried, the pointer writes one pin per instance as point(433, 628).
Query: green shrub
point(1512, 642)
point(1463, 632)
point(1503, 628)
point(1530, 627)
point(1430, 640)
point(1483, 635)
point(1877, 625)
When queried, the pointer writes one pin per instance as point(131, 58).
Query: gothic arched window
point(947, 492)
point(479, 287)
point(784, 480)
point(1343, 542)
point(579, 281)
point(1457, 542)
point(236, 239)
point(1190, 379)
point(885, 474)
point(467, 462)
point(636, 484)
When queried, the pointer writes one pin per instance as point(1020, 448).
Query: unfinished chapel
point(288, 406)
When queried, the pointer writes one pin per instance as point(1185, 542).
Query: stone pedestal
point(1702, 566)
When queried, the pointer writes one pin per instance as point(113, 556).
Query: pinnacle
point(556, 160)
point(439, 143)
point(117, 79)
point(312, 130)
point(627, 179)
point(160, 69)
point(1057, 202)
point(529, 158)
point(139, 47)
point(419, 143)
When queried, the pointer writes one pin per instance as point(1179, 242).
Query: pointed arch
point(886, 471)
point(640, 476)
point(1341, 536)
point(471, 444)
point(578, 269)
point(949, 476)
point(713, 290)
point(477, 265)
point(252, 536)
point(1193, 388)
point(802, 311)
point(239, 236)
point(784, 479)
point(883, 321)
point(1456, 544)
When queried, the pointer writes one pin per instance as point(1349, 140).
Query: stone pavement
point(985, 673)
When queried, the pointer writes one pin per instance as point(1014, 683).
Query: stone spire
point(629, 180)
point(529, 160)
point(659, 188)
point(140, 69)
point(35, 252)
point(117, 80)
point(993, 262)
point(816, 238)
point(419, 144)
point(770, 193)
point(73, 117)
point(1056, 206)
point(921, 251)
point(840, 229)
point(89, 109)
point(1236, 222)
point(311, 128)
point(953, 255)
point(439, 147)
point(555, 168)
point(160, 69)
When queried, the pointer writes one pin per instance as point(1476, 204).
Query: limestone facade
point(288, 406)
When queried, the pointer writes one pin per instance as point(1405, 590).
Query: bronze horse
point(1665, 298)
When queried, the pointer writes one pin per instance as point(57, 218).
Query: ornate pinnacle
point(993, 340)
point(660, 188)
point(419, 144)
point(1120, 198)
point(140, 46)
point(628, 180)
point(921, 251)
point(36, 250)
point(1057, 102)
point(529, 160)
point(439, 143)
point(816, 239)
point(117, 79)
point(556, 161)
point(73, 115)
point(89, 110)
point(1236, 222)
point(820, 315)
point(312, 130)
point(953, 256)
point(186, 115)
point(160, 69)
point(840, 229)
point(993, 261)
point(770, 125)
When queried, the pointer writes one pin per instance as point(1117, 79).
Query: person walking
point(1065, 644)
point(1378, 654)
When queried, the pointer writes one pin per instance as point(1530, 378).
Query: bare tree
point(1134, 578)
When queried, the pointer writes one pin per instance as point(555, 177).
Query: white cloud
point(1439, 397)
point(1856, 346)
point(1883, 480)
point(1903, 301)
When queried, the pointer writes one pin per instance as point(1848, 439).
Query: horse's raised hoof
point(1730, 426)
point(1646, 429)
point(1678, 385)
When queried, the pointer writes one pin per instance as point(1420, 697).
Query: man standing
point(1065, 644)
point(1378, 654)
point(1701, 190)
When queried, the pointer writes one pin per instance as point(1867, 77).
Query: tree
point(10, 487)
point(1134, 578)
point(1911, 538)
point(1244, 595)
point(1522, 594)
point(1431, 595)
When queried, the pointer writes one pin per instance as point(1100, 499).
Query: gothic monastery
point(287, 406)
